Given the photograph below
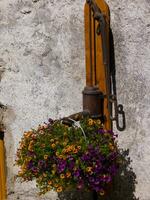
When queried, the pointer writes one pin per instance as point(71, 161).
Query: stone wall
point(42, 75)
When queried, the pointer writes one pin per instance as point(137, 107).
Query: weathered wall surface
point(42, 75)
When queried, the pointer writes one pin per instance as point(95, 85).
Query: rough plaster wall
point(42, 74)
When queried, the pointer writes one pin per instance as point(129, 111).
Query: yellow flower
point(62, 176)
point(31, 142)
point(56, 185)
point(49, 188)
point(53, 145)
point(57, 153)
point(45, 175)
point(28, 159)
point(57, 142)
point(90, 122)
point(60, 156)
point(64, 143)
point(78, 147)
point(59, 189)
point(52, 140)
point(89, 169)
point(45, 157)
point(41, 132)
point(30, 148)
point(98, 122)
point(102, 192)
point(20, 173)
point(28, 134)
point(53, 172)
point(54, 165)
point(111, 146)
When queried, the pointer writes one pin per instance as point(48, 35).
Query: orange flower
point(75, 151)
point(49, 182)
point(59, 189)
point(68, 174)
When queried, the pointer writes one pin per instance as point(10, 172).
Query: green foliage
point(60, 157)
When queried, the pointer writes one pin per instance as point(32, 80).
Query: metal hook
point(120, 113)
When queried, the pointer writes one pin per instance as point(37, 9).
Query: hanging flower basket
point(62, 157)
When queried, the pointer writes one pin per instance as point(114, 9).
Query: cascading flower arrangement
point(61, 157)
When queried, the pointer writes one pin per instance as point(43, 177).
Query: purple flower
point(111, 132)
point(41, 164)
point(113, 169)
point(61, 165)
point(101, 131)
point(96, 181)
point(108, 179)
point(70, 158)
point(34, 169)
point(91, 179)
point(30, 153)
point(30, 164)
point(97, 168)
point(96, 188)
point(85, 157)
point(71, 165)
point(76, 173)
point(80, 184)
point(105, 178)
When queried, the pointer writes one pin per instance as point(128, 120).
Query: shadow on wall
point(123, 185)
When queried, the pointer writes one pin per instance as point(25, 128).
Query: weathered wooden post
point(99, 95)
point(2, 168)
point(2, 157)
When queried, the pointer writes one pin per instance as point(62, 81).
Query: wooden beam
point(100, 69)
point(2, 172)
